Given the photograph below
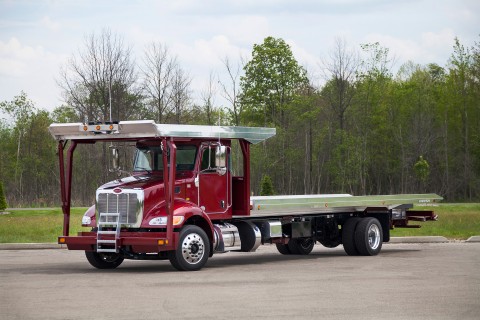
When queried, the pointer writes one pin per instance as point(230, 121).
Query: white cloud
point(31, 69)
point(428, 47)
point(441, 39)
point(48, 23)
point(35, 36)
point(247, 30)
point(208, 52)
point(14, 57)
point(305, 58)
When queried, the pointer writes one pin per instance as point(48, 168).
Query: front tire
point(104, 260)
point(193, 249)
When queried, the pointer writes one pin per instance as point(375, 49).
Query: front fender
point(190, 212)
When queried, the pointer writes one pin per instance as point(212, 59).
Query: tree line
point(364, 130)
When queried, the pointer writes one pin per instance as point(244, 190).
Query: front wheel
point(192, 251)
point(104, 260)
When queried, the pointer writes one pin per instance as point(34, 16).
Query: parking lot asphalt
point(405, 281)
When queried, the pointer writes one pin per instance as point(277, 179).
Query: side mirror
point(221, 159)
point(115, 160)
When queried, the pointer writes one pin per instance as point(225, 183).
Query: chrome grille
point(126, 204)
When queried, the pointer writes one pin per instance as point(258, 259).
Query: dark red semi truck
point(183, 202)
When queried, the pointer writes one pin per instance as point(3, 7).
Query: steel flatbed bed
point(298, 205)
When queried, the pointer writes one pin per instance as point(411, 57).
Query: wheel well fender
point(384, 218)
point(200, 219)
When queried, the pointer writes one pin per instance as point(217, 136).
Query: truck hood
point(141, 182)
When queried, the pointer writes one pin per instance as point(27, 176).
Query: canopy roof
point(149, 129)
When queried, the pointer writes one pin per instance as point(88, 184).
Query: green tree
point(21, 109)
point(462, 100)
point(267, 186)
point(3, 200)
point(422, 171)
point(272, 79)
point(341, 76)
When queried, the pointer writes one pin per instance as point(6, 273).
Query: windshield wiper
point(142, 169)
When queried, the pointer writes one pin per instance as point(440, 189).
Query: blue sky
point(38, 36)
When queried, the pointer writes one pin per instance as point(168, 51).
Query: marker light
point(61, 240)
point(86, 220)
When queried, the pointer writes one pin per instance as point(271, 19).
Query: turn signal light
point(61, 240)
point(162, 242)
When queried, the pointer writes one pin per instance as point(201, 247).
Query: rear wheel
point(369, 237)
point(193, 249)
point(329, 243)
point(283, 248)
point(302, 246)
point(104, 260)
point(348, 236)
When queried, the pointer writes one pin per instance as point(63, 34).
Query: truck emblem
point(117, 190)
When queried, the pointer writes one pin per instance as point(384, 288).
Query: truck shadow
point(275, 258)
point(218, 261)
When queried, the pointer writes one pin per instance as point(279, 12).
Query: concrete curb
point(30, 246)
point(428, 239)
point(473, 239)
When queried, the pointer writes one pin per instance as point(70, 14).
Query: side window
point(148, 158)
point(143, 160)
point(186, 157)
point(208, 159)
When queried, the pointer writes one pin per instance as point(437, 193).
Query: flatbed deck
point(269, 206)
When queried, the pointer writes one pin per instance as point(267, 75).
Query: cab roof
point(138, 129)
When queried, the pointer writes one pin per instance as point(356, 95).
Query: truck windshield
point(149, 158)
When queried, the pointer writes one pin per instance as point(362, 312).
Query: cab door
point(214, 181)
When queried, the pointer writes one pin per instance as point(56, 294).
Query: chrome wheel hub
point(373, 236)
point(193, 248)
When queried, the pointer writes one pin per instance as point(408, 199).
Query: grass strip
point(456, 221)
point(38, 226)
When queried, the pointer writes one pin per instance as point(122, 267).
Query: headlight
point(162, 221)
point(158, 221)
point(86, 220)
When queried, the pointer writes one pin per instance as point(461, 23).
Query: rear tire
point(348, 236)
point(328, 243)
point(283, 248)
point(301, 246)
point(193, 249)
point(104, 260)
point(369, 237)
